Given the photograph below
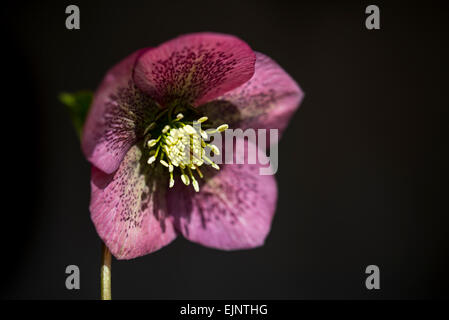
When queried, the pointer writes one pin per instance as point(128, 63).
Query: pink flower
point(143, 193)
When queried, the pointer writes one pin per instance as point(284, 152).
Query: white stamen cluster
point(182, 145)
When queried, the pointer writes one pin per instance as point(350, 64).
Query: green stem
point(105, 273)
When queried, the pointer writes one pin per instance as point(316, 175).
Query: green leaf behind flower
point(78, 104)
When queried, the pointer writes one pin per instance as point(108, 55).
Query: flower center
point(179, 144)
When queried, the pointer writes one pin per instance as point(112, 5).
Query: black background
point(363, 165)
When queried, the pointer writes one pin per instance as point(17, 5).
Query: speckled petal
point(194, 68)
point(118, 113)
point(128, 208)
point(267, 101)
point(233, 209)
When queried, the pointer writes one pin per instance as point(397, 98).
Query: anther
point(185, 179)
point(172, 181)
point(189, 129)
point(152, 143)
point(214, 149)
point(151, 160)
point(165, 164)
point(196, 186)
point(203, 134)
point(166, 128)
point(215, 166)
point(222, 128)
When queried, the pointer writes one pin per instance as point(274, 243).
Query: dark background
point(363, 165)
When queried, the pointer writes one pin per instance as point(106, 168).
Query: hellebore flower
point(144, 191)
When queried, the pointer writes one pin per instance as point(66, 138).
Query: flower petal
point(119, 111)
point(194, 68)
point(267, 101)
point(233, 209)
point(128, 208)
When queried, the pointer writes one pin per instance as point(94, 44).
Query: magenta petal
point(194, 68)
point(267, 101)
point(110, 128)
point(128, 208)
point(233, 209)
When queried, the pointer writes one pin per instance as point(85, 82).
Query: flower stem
point(105, 273)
